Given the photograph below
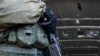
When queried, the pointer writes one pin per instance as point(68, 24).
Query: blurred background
point(78, 26)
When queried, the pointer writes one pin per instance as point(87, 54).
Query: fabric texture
point(10, 47)
point(48, 21)
point(13, 50)
point(29, 35)
point(54, 47)
point(20, 12)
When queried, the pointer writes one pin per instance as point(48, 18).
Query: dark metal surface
point(76, 40)
point(75, 16)
point(75, 8)
point(80, 23)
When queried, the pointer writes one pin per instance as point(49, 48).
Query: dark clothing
point(48, 21)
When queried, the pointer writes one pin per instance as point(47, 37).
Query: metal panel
point(70, 8)
point(77, 15)
point(84, 54)
point(79, 23)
